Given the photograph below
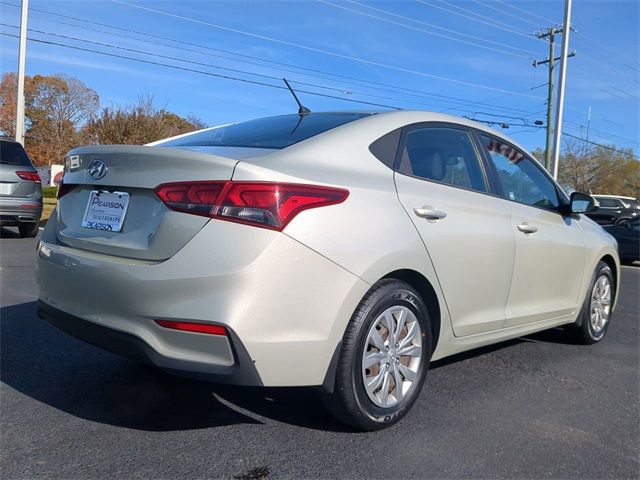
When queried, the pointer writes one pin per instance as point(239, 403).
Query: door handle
point(430, 213)
point(524, 227)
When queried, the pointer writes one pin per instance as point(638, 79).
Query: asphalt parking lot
point(535, 407)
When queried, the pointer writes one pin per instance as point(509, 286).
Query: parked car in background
point(20, 190)
point(343, 250)
point(613, 210)
point(628, 237)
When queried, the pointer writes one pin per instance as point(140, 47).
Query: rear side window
point(520, 179)
point(386, 147)
point(13, 154)
point(608, 203)
point(444, 155)
point(272, 132)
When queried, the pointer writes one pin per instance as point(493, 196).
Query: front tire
point(384, 357)
point(595, 316)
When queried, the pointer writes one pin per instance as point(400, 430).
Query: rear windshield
point(271, 132)
point(13, 154)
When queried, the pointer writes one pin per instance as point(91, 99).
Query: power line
point(546, 20)
point(610, 53)
point(602, 146)
point(318, 50)
point(409, 101)
point(387, 87)
point(455, 99)
point(168, 57)
point(226, 77)
point(493, 20)
point(488, 20)
point(578, 40)
point(501, 50)
point(269, 77)
point(486, 5)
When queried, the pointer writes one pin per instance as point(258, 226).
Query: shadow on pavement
point(53, 368)
point(7, 232)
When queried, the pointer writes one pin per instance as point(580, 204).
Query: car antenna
point(302, 110)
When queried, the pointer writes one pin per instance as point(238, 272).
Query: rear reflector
point(29, 176)
point(193, 327)
point(262, 204)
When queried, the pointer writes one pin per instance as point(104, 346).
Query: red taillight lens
point(193, 327)
point(29, 176)
point(198, 198)
point(268, 205)
point(64, 188)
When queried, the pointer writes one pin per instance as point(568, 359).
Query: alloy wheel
point(600, 308)
point(392, 356)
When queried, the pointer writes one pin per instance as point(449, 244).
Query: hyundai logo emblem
point(98, 169)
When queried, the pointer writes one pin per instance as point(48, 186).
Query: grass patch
point(48, 204)
point(49, 192)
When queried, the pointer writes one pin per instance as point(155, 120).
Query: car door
point(467, 232)
point(549, 256)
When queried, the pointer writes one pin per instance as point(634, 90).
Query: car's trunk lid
point(150, 231)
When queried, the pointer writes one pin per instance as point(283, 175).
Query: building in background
point(51, 175)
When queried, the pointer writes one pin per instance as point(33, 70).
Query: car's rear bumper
point(241, 372)
point(14, 211)
point(287, 304)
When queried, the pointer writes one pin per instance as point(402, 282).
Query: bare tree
point(578, 166)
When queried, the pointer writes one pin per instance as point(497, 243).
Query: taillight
point(29, 176)
point(268, 205)
point(193, 327)
point(64, 188)
point(198, 198)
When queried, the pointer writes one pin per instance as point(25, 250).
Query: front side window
point(444, 155)
point(520, 179)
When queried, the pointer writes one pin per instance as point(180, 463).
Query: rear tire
point(28, 229)
point(595, 316)
point(384, 358)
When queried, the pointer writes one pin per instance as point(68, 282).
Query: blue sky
point(470, 57)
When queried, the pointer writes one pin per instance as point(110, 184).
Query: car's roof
point(384, 120)
point(407, 117)
point(597, 195)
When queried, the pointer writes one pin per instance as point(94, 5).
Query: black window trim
point(395, 155)
point(489, 166)
point(406, 129)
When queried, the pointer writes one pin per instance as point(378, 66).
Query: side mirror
point(582, 203)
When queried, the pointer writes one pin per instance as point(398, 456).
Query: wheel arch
point(610, 261)
point(428, 295)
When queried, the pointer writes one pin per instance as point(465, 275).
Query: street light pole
point(21, 67)
point(566, 29)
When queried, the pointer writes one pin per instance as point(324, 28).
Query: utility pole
point(549, 33)
point(566, 28)
point(21, 67)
